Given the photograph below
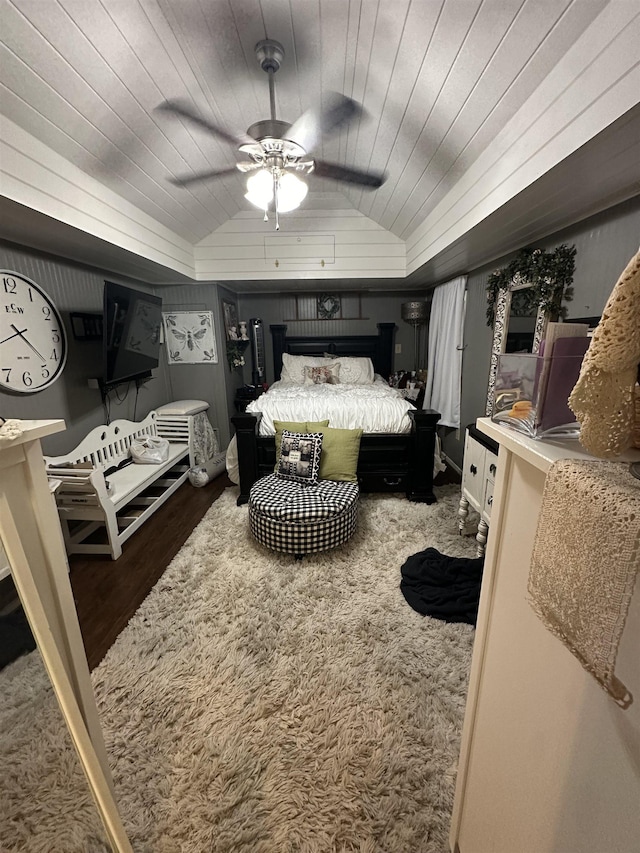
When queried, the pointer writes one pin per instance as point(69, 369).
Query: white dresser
point(479, 470)
point(548, 762)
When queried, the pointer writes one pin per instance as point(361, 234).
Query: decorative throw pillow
point(294, 426)
point(340, 449)
point(326, 375)
point(300, 456)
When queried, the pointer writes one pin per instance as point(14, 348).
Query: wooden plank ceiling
point(438, 80)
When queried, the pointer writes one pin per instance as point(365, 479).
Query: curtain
point(444, 363)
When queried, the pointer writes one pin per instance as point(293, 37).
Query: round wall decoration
point(33, 341)
point(328, 306)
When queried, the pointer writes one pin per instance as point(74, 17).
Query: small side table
point(246, 395)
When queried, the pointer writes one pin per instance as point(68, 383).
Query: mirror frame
point(500, 328)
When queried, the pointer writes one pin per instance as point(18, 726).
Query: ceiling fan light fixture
point(260, 189)
point(291, 192)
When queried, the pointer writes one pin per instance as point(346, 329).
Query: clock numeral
point(7, 374)
point(55, 337)
point(47, 312)
point(45, 372)
point(9, 285)
point(26, 379)
point(30, 295)
point(54, 355)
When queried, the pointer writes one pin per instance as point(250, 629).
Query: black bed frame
point(388, 462)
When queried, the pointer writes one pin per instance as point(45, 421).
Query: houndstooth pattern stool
point(300, 519)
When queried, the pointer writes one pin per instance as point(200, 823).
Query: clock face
point(33, 342)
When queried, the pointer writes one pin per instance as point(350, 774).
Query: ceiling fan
point(276, 150)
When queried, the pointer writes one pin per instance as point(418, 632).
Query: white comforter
point(373, 408)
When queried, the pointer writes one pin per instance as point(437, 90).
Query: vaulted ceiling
point(468, 105)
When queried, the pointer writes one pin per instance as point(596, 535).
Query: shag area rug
point(255, 704)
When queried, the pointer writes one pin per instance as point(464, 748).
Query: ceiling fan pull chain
point(275, 200)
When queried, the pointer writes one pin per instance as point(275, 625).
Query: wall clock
point(33, 341)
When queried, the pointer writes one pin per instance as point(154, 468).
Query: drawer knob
point(473, 469)
point(492, 468)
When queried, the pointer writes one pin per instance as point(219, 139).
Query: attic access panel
point(294, 249)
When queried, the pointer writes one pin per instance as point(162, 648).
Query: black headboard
point(379, 348)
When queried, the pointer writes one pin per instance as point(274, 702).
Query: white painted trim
point(597, 82)
point(452, 464)
point(37, 177)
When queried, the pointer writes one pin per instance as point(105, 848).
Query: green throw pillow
point(294, 426)
point(340, 448)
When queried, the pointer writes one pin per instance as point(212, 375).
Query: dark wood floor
point(108, 592)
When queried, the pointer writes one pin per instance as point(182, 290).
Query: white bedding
point(374, 408)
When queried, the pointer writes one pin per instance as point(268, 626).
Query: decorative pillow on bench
point(294, 426)
point(300, 456)
point(340, 450)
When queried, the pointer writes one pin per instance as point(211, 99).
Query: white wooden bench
point(97, 512)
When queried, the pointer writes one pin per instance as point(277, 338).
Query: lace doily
point(585, 560)
point(603, 399)
point(11, 429)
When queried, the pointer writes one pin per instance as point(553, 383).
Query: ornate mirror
point(523, 298)
point(519, 326)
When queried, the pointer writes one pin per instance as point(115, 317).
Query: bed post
point(384, 358)
point(246, 426)
point(278, 336)
point(424, 445)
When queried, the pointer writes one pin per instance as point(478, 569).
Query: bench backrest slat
point(106, 446)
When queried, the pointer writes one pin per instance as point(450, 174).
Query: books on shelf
point(532, 391)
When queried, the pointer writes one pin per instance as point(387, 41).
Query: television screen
point(132, 321)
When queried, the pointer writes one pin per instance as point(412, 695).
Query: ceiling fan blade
point(308, 130)
point(184, 110)
point(367, 180)
point(187, 180)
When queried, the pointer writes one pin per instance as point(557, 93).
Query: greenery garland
point(550, 275)
point(235, 353)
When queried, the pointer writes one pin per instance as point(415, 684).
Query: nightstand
point(245, 395)
point(479, 470)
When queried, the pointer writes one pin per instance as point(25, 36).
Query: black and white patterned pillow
point(300, 456)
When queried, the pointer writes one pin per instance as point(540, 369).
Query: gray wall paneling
point(604, 244)
point(377, 307)
point(75, 288)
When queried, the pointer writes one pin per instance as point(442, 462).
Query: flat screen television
point(131, 333)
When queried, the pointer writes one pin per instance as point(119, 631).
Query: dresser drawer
point(383, 482)
point(487, 503)
point(473, 475)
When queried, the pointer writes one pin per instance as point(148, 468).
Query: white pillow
point(293, 366)
point(355, 371)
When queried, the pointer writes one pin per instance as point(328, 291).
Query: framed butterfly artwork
point(190, 337)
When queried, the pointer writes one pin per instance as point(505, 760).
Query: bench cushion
point(183, 407)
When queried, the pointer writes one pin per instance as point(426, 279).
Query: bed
point(398, 444)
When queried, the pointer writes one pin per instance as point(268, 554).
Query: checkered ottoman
point(301, 519)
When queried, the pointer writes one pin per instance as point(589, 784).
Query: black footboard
point(388, 462)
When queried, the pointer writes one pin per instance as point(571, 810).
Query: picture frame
point(230, 315)
point(190, 337)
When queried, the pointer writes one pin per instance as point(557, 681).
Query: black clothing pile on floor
point(15, 637)
point(446, 588)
